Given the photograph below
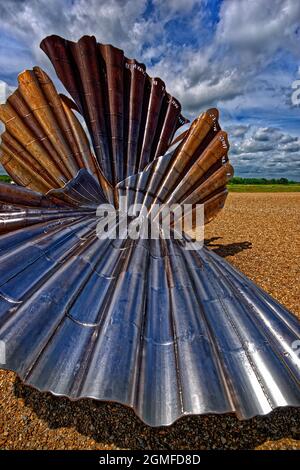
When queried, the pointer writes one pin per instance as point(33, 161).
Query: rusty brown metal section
point(135, 78)
point(18, 195)
point(217, 180)
point(151, 113)
point(169, 118)
point(194, 171)
point(130, 116)
point(44, 145)
point(214, 205)
point(21, 207)
point(200, 154)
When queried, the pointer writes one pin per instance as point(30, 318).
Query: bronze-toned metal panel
point(120, 103)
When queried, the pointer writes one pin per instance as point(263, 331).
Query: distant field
point(238, 188)
point(5, 178)
point(264, 188)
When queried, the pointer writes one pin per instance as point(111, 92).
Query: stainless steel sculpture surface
point(144, 322)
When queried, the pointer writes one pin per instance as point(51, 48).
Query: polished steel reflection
point(147, 323)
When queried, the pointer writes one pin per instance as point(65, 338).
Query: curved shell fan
point(194, 172)
point(146, 323)
point(130, 116)
point(44, 145)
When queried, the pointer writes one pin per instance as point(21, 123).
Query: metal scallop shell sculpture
point(147, 323)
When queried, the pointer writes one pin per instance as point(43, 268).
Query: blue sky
point(239, 55)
